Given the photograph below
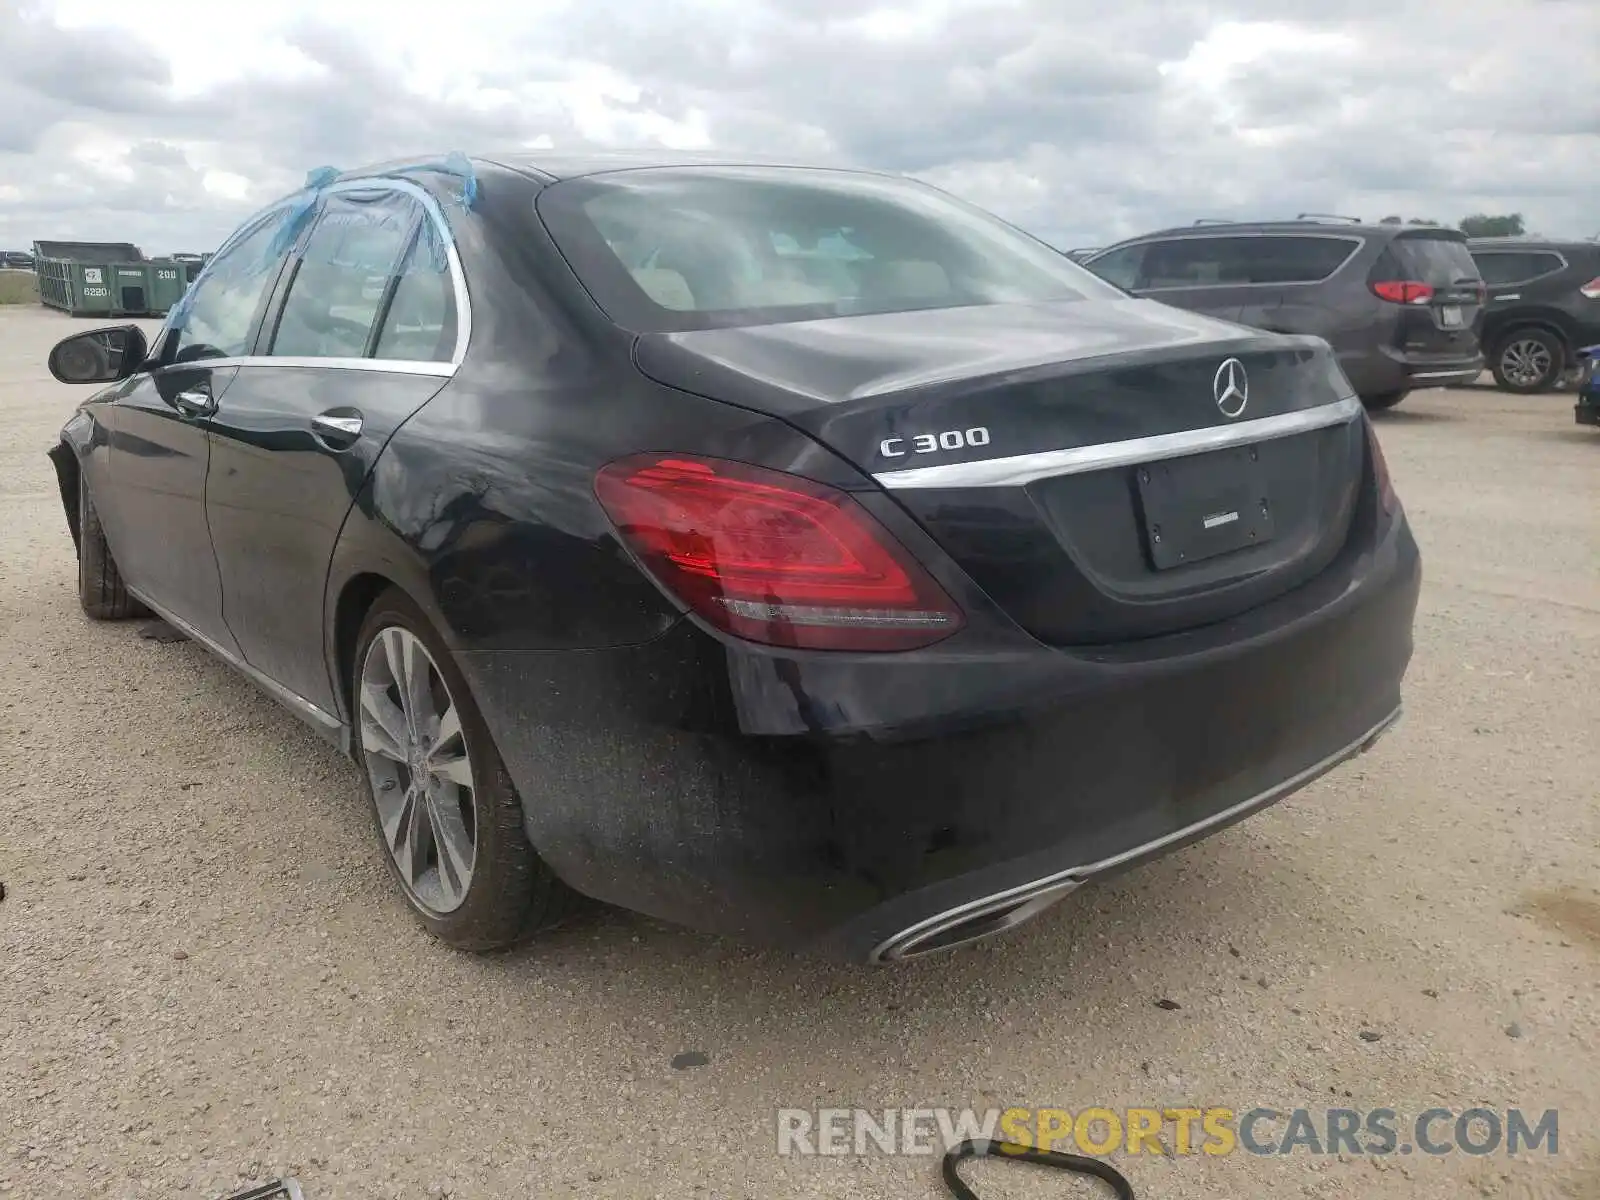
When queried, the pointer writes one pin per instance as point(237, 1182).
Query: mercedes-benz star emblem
point(1231, 387)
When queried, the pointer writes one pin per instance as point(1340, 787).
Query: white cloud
point(1080, 122)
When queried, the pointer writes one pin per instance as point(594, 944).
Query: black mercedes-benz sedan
point(797, 554)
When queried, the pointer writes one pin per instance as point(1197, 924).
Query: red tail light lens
point(1403, 291)
point(1380, 471)
point(1591, 290)
point(772, 557)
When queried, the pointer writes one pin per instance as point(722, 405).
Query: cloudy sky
point(166, 121)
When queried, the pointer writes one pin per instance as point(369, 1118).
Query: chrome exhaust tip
point(974, 921)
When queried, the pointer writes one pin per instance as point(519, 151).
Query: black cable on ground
point(1013, 1152)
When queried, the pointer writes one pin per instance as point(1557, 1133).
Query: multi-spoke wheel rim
point(1527, 362)
point(421, 774)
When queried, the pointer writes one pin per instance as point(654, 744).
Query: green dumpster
point(169, 279)
point(192, 264)
point(110, 279)
point(81, 289)
point(130, 288)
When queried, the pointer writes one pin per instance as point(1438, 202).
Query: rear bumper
point(845, 803)
point(985, 915)
point(1390, 370)
point(1426, 370)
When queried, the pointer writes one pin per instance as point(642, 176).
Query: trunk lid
point(1085, 462)
point(1443, 296)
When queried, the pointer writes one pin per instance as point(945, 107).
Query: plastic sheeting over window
point(219, 310)
point(343, 275)
point(246, 260)
point(421, 323)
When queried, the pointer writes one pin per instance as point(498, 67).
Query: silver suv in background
point(1399, 304)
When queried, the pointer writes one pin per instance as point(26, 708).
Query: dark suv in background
point(1544, 306)
point(1399, 304)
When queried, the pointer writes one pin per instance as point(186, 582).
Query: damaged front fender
point(67, 455)
point(65, 460)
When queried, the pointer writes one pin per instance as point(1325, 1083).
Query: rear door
point(1518, 281)
point(1431, 275)
point(1286, 270)
point(366, 334)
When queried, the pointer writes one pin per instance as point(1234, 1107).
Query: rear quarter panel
point(482, 506)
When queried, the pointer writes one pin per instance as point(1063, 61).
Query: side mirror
point(99, 356)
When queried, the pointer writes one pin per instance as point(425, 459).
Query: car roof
point(1524, 242)
point(574, 164)
point(1329, 226)
point(550, 166)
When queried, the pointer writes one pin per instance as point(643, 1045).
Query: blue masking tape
point(299, 207)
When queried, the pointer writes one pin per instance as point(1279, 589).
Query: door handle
point(195, 403)
point(340, 429)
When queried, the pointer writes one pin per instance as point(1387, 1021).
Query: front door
point(151, 497)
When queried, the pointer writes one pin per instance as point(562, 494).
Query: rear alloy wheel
point(1387, 400)
point(1528, 361)
point(444, 806)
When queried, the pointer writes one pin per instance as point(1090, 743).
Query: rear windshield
point(697, 248)
point(1433, 259)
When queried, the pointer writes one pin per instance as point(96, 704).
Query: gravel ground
point(207, 978)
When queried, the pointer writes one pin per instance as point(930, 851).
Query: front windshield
point(695, 248)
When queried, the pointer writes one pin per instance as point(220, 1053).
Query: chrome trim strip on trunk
point(1020, 469)
point(1053, 887)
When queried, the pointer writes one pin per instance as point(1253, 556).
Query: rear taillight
point(772, 557)
point(1403, 291)
point(1380, 472)
point(1591, 290)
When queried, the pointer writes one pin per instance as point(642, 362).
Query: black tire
point(101, 591)
point(1387, 400)
point(512, 894)
point(1529, 360)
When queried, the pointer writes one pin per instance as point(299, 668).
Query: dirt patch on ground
point(1567, 912)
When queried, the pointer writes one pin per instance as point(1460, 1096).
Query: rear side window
point(1296, 259)
point(1440, 261)
point(420, 325)
point(343, 274)
point(1226, 261)
point(666, 249)
point(1516, 266)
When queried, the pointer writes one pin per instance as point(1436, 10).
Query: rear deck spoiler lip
point(1018, 470)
